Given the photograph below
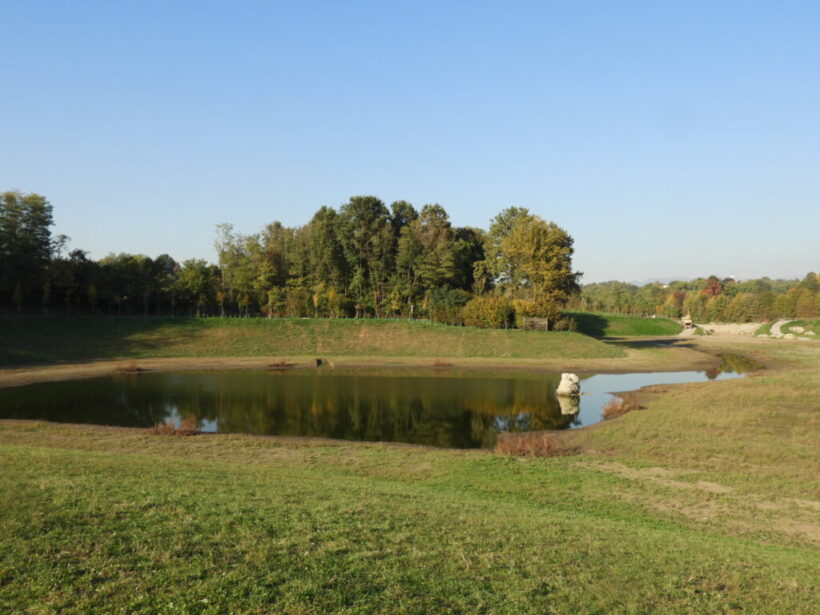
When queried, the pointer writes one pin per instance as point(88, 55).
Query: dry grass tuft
point(654, 388)
point(529, 444)
point(621, 405)
point(281, 364)
point(187, 427)
point(130, 368)
point(439, 363)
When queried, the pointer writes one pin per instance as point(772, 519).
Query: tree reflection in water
point(450, 409)
point(463, 409)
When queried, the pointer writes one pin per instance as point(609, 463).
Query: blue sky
point(669, 139)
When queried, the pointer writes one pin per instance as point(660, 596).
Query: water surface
point(447, 408)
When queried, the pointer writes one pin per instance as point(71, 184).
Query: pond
point(437, 407)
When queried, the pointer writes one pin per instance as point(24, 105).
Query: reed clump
point(621, 405)
point(280, 365)
point(187, 427)
point(130, 368)
point(529, 444)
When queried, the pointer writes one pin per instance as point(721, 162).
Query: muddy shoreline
point(666, 356)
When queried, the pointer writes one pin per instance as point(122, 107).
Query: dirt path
point(746, 328)
point(776, 327)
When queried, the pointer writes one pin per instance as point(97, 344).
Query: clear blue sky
point(668, 138)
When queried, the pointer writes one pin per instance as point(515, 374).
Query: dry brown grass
point(621, 405)
point(529, 444)
point(281, 365)
point(438, 363)
point(129, 368)
point(187, 427)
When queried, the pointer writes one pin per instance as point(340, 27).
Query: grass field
point(812, 325)
point(612, 325)
point(43, 340)
point(704, 502)
point(764, 329)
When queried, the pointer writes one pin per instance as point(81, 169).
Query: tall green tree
point(368, 245)
point(499, 269)
point(26, 245)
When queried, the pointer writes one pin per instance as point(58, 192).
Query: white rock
point(568, 404)
point(569, 385)
point(797, 329)
point(789, 336)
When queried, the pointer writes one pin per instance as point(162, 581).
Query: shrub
point(565, 323)
point(529, 444)
point(187, 427)
point(130, 368)
point(620, 405)
point(489, 313)
point(445, 305)
point(546, 308)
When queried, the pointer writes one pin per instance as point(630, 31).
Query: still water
point(447, 408)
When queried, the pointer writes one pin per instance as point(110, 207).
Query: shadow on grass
point(30, 340)
point(590, 324)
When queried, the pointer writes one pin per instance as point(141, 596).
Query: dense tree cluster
point(707, 299)
point(363, 260)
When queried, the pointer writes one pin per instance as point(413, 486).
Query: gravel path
point(746, 328)
point(775, 328)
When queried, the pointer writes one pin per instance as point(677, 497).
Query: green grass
point(808, 324)
point(612, 325)
point(764, 329)
point(119, 521)
point(704, 502)
point(42, 340)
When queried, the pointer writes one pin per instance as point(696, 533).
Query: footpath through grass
point(613, 325)
point(705, 502)
point(44, 340)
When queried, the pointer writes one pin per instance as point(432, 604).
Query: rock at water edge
point(569, 385)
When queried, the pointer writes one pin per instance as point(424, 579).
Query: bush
point(620, 405)
point(529, 444)
point(565, 323)
point(187, 427)
point(489, 313)
point(445, 305)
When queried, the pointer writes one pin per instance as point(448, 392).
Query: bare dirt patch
point(741, 512)
point(661, 476)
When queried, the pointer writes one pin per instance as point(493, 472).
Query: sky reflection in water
point(449, 408)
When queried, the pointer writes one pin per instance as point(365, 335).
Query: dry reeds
point(438, 363)
point(280, 365)
point(187, 427)
point(529, 444)
point(620, 405)
point(130, 368)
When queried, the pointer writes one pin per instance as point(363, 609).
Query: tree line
point(363, 260)
point(709, 299)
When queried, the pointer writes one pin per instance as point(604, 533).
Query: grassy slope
point(612, 325)
point(39, 340)
point(764, 329)
point(704, 503)
point(807, 324)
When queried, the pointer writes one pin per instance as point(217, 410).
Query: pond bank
point(663, 354)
